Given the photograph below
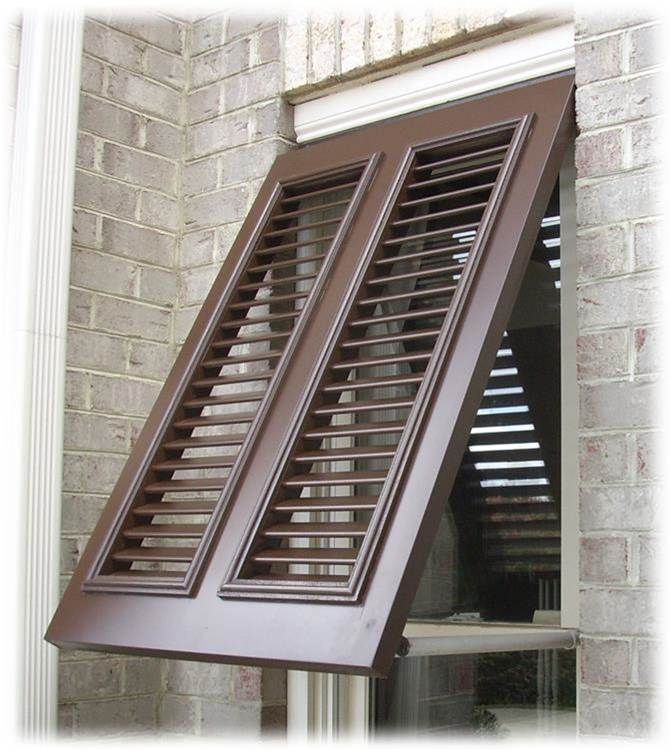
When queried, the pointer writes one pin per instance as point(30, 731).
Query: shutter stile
point(343, 473)
point(163, 530)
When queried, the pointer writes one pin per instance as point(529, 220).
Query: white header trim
point(499, 64)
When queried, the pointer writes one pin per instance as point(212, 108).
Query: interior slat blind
point(290, 477)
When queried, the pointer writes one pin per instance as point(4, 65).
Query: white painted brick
point(383, 35)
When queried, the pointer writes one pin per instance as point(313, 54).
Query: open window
point(281, 502)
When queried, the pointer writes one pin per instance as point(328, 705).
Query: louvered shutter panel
point(413, 236)
point(163, 529)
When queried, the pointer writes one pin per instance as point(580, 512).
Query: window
point(287, 520)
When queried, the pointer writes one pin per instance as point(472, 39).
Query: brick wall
point(123, 287)
point(618, 254)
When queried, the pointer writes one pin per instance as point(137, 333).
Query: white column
point(35, 271)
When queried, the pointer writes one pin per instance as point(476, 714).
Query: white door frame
point(35, 267)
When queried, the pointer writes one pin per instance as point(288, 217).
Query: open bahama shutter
point(281, 501)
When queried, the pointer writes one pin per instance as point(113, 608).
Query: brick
point(158, 285)
point(103, 273)
point(226, 235)
point(606, 661)
point(243, 23)
point(90, 473)
point(77, 390)
point(206, 34)
point(382, 35)
point(136, 242)
point(165, 67)
point(624, 611)
point(122, 396)
point(196, 283)
point(183, 322)
point(617, 17)
point(273, 721)
point(80, 306)
point(612, 102)
point(266, 46)
point(93, 191)
point(85, 157)
point(218, 718)
point(205, 103)
point(222, 62)
point(92, 75)
point(197, 248)
point(645, 140)
point(159, 211)
point(603, 354)
point(599, 153)
point(164, 139)
point(253, 86)
point(201, 176)
point(620, 714)
point(250, 162)
point(604, 459)
point(645, 47)
point(619, 301)
point(247, 683)
point(150, 360)
point(649, 656)
point(157, 30)
point(199, 678)
point(65, 721)
point(70, 551)
point(647, 350)
point(95, 679)
point(141, 676)
point(601, 252)
point(109, 121)
point(179, 714)
point(603, 560)
point(223, 132)
point(596, 59)
point(623, 508)
point(414, 29)
point(215, 208)
point(647, 244)
point(649, 559)
point(353, 30)
point(139, 168)
point(85, 229)
point(95, 432)
point(80, 512)
point(271, 119)
point(620, 404)
point(648, 453)
point(322, 44)
point(118, 716)
point(632, 195)
point(296, 55)
point(444, 25)
point(132, 319)
point(112, 46)
point(145, 95)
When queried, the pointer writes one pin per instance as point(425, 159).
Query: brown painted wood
point(345, 623)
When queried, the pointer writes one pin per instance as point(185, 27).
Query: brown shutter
point(308, 548)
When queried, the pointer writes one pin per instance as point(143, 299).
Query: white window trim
point(480, 71)
point(36, 265)
point(325, 706)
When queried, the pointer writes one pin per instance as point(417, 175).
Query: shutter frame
point(358, 637)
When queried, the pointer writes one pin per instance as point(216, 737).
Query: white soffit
point(484, 69)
